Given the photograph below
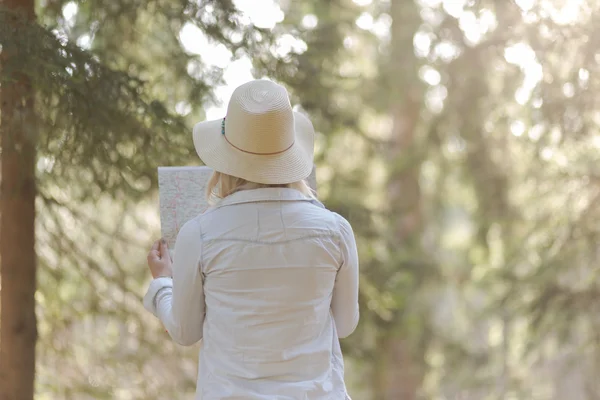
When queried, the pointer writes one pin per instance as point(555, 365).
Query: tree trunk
point(18, 332)
point(404, 366)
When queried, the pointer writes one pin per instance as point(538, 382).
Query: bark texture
point(18, 331)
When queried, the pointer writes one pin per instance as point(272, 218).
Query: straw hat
point(261, 139)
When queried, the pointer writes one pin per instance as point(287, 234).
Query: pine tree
point(104, 117)
point(402, 342)
point(450, 301)
point(18, 332)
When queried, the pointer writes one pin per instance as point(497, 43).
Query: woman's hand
point(159, 260)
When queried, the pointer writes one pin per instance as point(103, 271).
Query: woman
point(266, 277)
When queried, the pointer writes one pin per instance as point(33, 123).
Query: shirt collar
point(265, 194)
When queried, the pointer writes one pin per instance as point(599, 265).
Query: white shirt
point(268, 279)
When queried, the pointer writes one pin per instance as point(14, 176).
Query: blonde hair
point(221, 185)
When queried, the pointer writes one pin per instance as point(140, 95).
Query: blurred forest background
point(459, 137)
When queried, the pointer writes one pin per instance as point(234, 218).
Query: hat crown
point(260, 118)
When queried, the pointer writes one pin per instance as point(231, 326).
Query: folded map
point(182, 196)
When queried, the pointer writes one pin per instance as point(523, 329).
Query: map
point(182, 196)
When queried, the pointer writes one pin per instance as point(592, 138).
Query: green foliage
point(494, 291)
point(105, 119)
point(504, 264)
point(91, 116)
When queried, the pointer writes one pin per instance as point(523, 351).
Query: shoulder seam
point(198, 222)
point(339, 237)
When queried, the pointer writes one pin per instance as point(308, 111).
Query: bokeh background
point(459, 137)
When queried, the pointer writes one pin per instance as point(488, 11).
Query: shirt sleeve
point(179, 302)
point(344, 304)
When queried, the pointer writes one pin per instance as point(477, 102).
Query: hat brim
point(291, 165)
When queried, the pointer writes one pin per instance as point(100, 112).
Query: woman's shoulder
point(317, 203)
point(192, 227)
point(340, 221)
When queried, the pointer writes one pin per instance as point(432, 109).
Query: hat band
point(251, 152)
point(258, 154)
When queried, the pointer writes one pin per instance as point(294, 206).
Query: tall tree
point(18, 332)
point(402, 373)
point(114, 90)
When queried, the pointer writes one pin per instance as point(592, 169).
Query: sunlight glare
point(525, 5)
point(236, 37)
point(517, 128)
point(547, 153)
point(183, 108)
point(195, 42)
point(431, 17)
point(365, 21)
point(522, 95)
point(568, 90)
point(84, 41)
point(435, 98)
point(476, 27)
point(454, 7)
point(522, 55)
point(488, 20)
point(430, 76)
point(69, 11)
point(382, 26)
point(535, 133)
point(262, 13)
point(456, 144)
point(287, 44)
point(470, 26)
point(447, 51)
point(569, 13)
point(349, 42)
point(236, 74)
point(422, 44)
point(310, 21)
point(430, 3)
point(45, 164)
